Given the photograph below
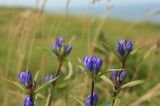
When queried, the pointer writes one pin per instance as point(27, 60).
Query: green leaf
point(76, 99)
point(47, 50)
point(70, 71)
point(107, 71)
point(36, 76)
point(61, 84)
point(45, 85)
point(17, 85)
point(132, 83)
point(106, 79)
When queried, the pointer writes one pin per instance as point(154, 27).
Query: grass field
point(22, 31)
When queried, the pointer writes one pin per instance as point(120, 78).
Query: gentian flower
point(54, 48)
point(92, 63)
point(108, 104)
point(120, 47)
point(22, 77)
point(122, 75)
point(114, 75)
point(25, 78)
point(68, 49)
point(59, 41)
point(128, 46)
point(46, 79)
point(28, 101)
point(95, 99)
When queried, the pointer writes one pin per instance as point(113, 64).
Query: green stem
point(92, 90)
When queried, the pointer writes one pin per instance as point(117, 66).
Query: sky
point(61, 3)
point(125, 9)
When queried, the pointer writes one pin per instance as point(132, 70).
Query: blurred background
point(26, 25)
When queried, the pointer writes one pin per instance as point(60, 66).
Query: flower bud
point(95, 99)
point(68, 49)
point(22, 77)
point(97, 65)
point(29, 79)
point(45, 79)
point(87, 62)
point(54, 48)
point(128, 46)
point(108, 104)
point(120, 47)
point(114, 75)
point(28, 101)
point(59, 41)
point(122, 75)
point(51, 77)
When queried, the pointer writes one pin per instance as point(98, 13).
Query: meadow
point(24, 32)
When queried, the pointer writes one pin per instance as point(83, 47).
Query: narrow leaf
point(70, 71)
point(45, 85)
point(36, 76)
point(132, 83)
point(106, 79)
point(17, 85)
point(79, 101)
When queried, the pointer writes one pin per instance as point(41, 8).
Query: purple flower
point(128, 45)
point(68, 49)
point(29, 78)
point(51, 77)
point(97, 65)
point(22, 77)
point(25, 78)
point(28, 101)
point(45, 79)
point(59, 41)
point(92, 63)
point(95, 99)
point(54, 48)
point(114, 75)
point(108, 104)
point(120, 47)
point(122, 75)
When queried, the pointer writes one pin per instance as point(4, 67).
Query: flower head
point(68, 49)
point(120, 47)
point(122, 75)
point(28, 101)
point(25, 78)
point(114, 75)
point(95, 99)
point(92, 63)
point(59, 41)
point(46, 79)
point(128, 46)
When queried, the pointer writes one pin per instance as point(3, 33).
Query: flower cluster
point(95, 99)
point(92, 63)
point(60, 49)
point(124, 47)
point(118, 76)
point(25, 78)
point(47, 78)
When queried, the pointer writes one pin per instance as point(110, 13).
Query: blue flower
point(128, 46)
point(59, 41)
point(68, 49)
point(29, 78)
point(92, 63)
point(97, 65)
point(122, 75)
point(108, 104)
point(54, 48)
point(25, 78)
point(114, 75)
point(22, 77)
point(120, 47)
point(95, 99)
point(46, 79)
point(28, 101)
